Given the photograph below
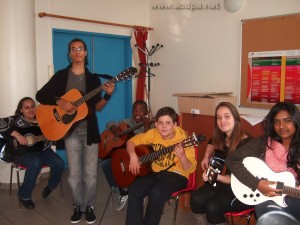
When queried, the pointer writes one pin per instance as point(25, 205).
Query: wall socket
point(195, 111)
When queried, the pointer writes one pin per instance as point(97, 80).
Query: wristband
point(106, 96)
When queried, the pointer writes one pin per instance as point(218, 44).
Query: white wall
point(201, 47)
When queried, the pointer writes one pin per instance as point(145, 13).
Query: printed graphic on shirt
point(164, 160)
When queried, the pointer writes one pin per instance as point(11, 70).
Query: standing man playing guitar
point(170, 171)
point(31, 155)
point(277, 148)
point(82, 140)
point(141, 122)
point(210, 202)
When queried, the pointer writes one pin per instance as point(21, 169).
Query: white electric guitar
point(285, 181)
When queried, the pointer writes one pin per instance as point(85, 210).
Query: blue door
point(107, 54)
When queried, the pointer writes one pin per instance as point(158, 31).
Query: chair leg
point(227, 221)
point(18, 180)
point(175, 209)
point(11, 176)
point(248, 218)
point(61, 190)
point(107, 202)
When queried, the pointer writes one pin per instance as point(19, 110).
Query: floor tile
point(57, 211)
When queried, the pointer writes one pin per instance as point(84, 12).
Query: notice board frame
point(266, 34)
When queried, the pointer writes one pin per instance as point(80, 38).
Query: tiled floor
point(54, 211)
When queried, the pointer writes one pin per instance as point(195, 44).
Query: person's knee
point(213, 213)
point(157, 196)
point(36, 164)
point(196, 203)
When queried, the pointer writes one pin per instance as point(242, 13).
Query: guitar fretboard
point(136, 126)
point(122, 76)
point(93, 93)
point(291, 191)
point(156, 154)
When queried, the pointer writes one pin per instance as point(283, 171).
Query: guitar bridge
point(57, 117)
point(122, 167)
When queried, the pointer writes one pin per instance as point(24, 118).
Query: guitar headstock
point(126, 74)
point(192, 140)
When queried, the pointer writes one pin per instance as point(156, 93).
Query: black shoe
point(27, 203)
point(46, 192)
point(76, 217)
point(90, 217)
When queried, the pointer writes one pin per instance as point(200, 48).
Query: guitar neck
point(130, 129)
point(291, 191)
point(122, 76)
point(93, 93)
point(156, 154)
point(134, 127)
point(189, 141)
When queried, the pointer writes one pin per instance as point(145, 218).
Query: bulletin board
point(275, 41)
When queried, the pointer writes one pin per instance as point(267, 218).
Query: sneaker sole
point(90, 222)
point(77, 221)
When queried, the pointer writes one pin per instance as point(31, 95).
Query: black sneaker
point(76, 217)
point(27, 203)
point(90, 217)
point(46, 192)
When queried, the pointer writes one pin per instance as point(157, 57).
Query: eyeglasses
point(285, 121)
point(79, 49)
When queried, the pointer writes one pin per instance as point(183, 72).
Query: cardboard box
point(202, 103)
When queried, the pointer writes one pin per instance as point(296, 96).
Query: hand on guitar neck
point(147, 120)
point(267, 188)
point(116, 130)
point(215, 168)
point(272, 186)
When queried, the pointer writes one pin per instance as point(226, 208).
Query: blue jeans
point(34, 162)
point(159, 188)
point(293, 207)
point(107, 170)
point(83, 165)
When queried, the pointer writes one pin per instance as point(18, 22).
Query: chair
point(191, 186)
point(245, 214)
point(18, 168)
point(109, 199)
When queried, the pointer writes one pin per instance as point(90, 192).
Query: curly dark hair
point(269, 130)
point(295, 160)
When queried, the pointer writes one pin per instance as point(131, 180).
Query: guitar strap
point(173, 164)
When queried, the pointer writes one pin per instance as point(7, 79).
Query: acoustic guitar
point(55, 122)
point(121, 159)
point(11, 150)
point(285, 182)
point(110, 142)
